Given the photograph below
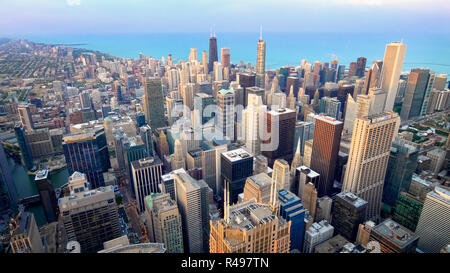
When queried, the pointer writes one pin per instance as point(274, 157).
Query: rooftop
point(261, 179)
point(396, 233)
point(236, 155)
point(41, 175)
point(352, 199)
point(308, 172)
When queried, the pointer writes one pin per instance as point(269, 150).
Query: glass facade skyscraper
point(87, 152)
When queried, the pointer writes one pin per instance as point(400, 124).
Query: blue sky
point(23, 17)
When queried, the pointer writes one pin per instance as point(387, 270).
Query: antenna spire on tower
point(214, 31)
point(210, 31)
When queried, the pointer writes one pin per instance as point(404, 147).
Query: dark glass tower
point(401, 166)
point(212, 52)
point(8, 192)
point(47, 195)
point(25, 150)
point(87, 152)
point(236, 166)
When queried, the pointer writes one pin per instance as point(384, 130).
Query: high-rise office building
point(327, 137)
point(212, 52)
point(331, 107)
point(146, 136)
point(25, 150)
point(25, 117)
point(279, 141)
point(260, 61)
point(259, 187)
point(373, 76)
point(309, 198)
point(360, 67)
point(368, 158)
point(236, 166)
point(253, 123)
point(225, 115)
point(8, 191)
point(90, 217)
point(281, 175)
point(47, 195)
point(391, 70)
point(225, 57)
point(401, 166)
point(85, 100)
point(201, 102)
point(250, 227)
point(316, 234)
point(25, 235)
point(193, 54)
point(177, 158)
point(291, 209)
point(153, 102)
point(87, 152)
point(147, 174)
point(349, 211)
point(434, 221)
point(415, 93)
point(193, 203)
point(163, 221)
point(303, 176)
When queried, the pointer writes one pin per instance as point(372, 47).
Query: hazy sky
point(22, 17)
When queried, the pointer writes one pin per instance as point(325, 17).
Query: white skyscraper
point(390, 73)
point(252, 119)
point(368, 158)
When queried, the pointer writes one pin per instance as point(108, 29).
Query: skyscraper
point(163, 221)
point(47, 195)
point(279, 139)
point(225, 115)
point(25, 235)
point(401, 166)
point(327, 137)
point(415, 93)
point(434, 221)
point(360, 67)
point(153, 102)
point(90, 217)
point(260, 61)
point(250, 228)
point(236, 166)
point(87, 152)
point(192, 198)
point(349, 211)
point(291, 209)
point(25, 117)
point(253, 119)
point(212, 52)
point(373, 76)
point(281, 175)
point(368, 158)
point(177, 158)
point(225, 57)
point(146, 135)
point(146, 178)
point(7, 183)
point(390, 72)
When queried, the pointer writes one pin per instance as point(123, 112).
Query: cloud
point(73, 2)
